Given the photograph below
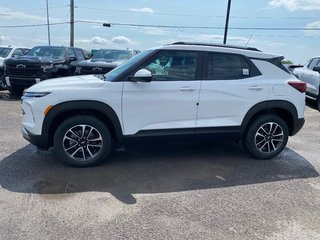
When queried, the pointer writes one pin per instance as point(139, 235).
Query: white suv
point(174, 91)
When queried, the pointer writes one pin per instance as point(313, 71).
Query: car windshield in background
point(105, 54)
point(49, 52)
point(110, 76)
point(4, 52)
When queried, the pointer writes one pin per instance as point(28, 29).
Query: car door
point(169, 101)
point(231, 86)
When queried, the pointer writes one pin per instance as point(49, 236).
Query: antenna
point(248, 40)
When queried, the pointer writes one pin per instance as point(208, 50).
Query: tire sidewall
point(249, 139)
point(78, 120)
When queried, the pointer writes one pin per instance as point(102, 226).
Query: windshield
point(50, 52)
point(110, 76)
point(105, 54)
point(4, 52)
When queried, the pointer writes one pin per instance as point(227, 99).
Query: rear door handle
point(255, 88)
point(187, 89)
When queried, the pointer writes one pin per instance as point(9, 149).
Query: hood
point(101, 63)
point(34, 59)
point(74, 82)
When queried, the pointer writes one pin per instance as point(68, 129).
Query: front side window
point(223, 66)
point(173, 66)
point(80, 55)
point(313, 63)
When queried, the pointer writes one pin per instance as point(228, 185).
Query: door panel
point(169, 101)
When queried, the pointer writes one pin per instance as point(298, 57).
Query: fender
point(57, 114)
point(272, 105)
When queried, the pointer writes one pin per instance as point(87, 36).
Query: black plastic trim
point(83, 106)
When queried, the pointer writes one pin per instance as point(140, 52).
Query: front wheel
point(82, 141)
point(266, 137)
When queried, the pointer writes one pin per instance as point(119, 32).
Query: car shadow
point(149, 169)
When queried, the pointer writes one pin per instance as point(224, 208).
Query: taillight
point(300, 86)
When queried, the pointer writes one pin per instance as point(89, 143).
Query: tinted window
point(4, 52)
point(50, 52)
point(79, 54)
point(70, 53)
point(173, 66)
point(227, 66)
point(313, 63)
point(18, 52)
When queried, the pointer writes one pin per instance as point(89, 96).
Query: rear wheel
point(82, 141)
point(266, 137)
point(318, 102)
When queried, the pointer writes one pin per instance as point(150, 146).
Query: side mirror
point(316, 69)
point(71, 59)
point(143, 75)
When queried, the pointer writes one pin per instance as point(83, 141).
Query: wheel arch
point(62, 111)
point(284, 109)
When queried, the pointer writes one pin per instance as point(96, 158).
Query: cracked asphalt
point(172, 191)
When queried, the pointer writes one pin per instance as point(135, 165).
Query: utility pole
point(48, 24)
point(227, 23)
point(71, 23)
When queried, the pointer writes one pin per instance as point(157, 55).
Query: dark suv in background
point(104, 60)
point(41, 63)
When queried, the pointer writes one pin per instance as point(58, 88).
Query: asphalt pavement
point(172, 191)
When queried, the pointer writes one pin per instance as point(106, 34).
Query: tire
point(318, 102)
point(266, 137)
point(82, 141)
point(16, 90)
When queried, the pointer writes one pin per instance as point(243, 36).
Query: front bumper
point(37, 140)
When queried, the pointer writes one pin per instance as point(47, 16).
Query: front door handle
point(187, 89)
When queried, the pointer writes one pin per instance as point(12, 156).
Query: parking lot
point(213, 191)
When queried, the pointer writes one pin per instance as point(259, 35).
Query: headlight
point(78, 70)
point(34, 94)
point(47, 67)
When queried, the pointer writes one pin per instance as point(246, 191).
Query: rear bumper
point(297, 125)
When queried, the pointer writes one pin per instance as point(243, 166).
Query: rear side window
point(223, 66)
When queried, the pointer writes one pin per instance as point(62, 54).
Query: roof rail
point(215, 45)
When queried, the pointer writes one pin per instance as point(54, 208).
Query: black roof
point(215, 45)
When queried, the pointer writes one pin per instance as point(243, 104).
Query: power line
point(168, 26)
point(194, 15)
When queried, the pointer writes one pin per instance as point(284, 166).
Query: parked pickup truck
point(40, 63)
point(6, 53)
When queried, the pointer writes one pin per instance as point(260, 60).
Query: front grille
point(24, 70)
point(95, 70)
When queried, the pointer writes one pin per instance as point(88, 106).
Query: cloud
point(154, 31)
point(121, 40)
point(142, 10)
point(294, 5)
point(7, 13)
point(311, 33)
point(95, 40)
point(3, 39)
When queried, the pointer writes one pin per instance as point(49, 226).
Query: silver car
point(310, 74)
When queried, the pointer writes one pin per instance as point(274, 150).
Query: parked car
point(104, 60)
point(205, 91)
point(40, 63)
point(310, 74)
point(6, 53)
